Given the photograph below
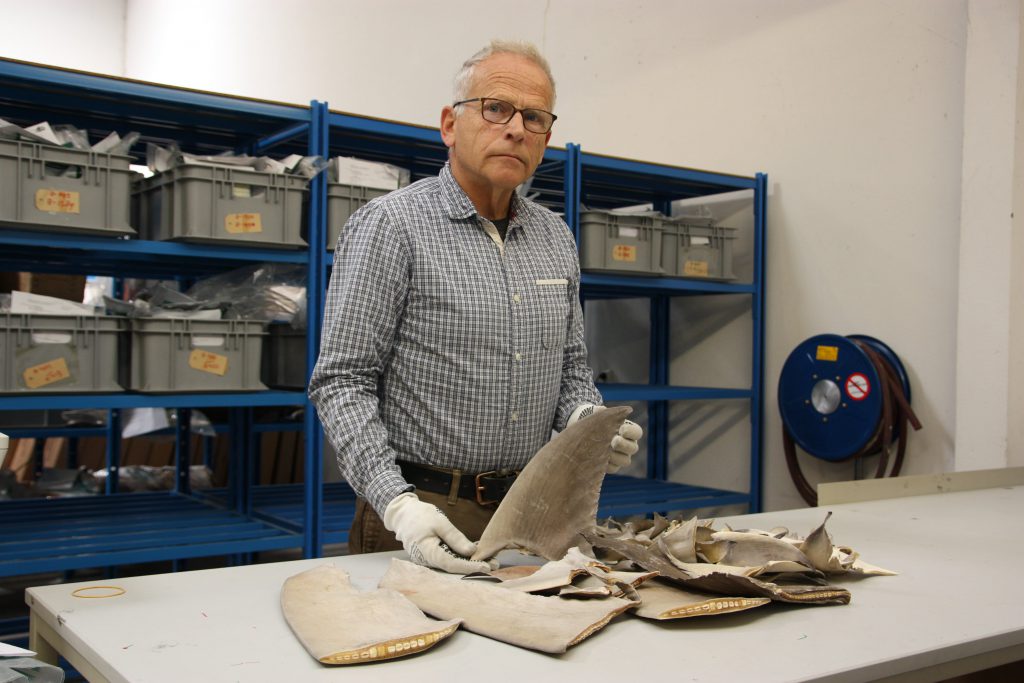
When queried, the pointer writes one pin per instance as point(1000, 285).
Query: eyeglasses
point(500, 111)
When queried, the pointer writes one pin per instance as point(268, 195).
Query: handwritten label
point(58, 201)
point(695, 268)
point(830, 353)
point(237, 223)
point(46, 373)
point(624, 252)
point(207, 361)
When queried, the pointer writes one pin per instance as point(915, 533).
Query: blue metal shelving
point(243, 518)
point(74, 533)
point(608, 182)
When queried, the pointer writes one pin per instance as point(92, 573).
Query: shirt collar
point(460, 205)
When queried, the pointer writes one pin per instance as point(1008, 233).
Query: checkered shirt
point(439, 346)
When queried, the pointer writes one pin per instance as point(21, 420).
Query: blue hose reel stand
point(843, 398)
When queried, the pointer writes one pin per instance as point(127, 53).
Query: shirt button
point(514, 416)
point(515, 298)
point(519, 356)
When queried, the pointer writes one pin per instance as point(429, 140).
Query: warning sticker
point(624, 252)
point(46, 373)
point(827, 353)
point(237, 223)
point(206, 361)
point(857, 387)
point(58, 201)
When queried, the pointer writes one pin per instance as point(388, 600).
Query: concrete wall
point(70, 33)
point(870, 117)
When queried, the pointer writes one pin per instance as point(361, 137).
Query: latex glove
point(624, 444)
point(429, 537)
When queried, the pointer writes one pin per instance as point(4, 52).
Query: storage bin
point(68, 189)
point(199, 203)
point(284, 358)
point(698, 250)
point(342, 202)
point(627, 243)
point(171, 355)
point(52, 353)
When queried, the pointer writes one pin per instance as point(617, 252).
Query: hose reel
point(844, 398)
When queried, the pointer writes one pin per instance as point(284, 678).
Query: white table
point(955, 608)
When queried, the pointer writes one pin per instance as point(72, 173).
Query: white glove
point(624, 444)
point(429, 537)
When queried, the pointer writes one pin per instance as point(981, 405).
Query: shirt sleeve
point(577, 378)
point(365, 300)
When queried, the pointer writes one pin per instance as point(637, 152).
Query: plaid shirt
point(444, 346)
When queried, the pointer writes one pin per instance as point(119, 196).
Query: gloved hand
point(624, 444)
point(428, 536)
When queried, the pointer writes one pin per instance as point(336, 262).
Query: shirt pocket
point(551, 306)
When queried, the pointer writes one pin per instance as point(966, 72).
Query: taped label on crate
point(624, 252)
point(629, 232)
point(208, 361)
point(827, 353)
point(696, 268)
point(46, 373)
point(58, 201)
point(239, 223)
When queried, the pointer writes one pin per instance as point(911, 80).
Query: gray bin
point(698, 250)
point(68, 189)
point(170, 355)
point(196, 203)
point(52, 354)
point(342, 202)
point(284, 357)
point(624, 243)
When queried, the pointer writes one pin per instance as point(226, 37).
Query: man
point(453, 337)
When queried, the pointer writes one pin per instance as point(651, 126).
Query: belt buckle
point(480, 488)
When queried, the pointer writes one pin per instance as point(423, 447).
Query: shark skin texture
point(555, 497)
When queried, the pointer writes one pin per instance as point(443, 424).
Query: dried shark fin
point(338, 624)
point(556, 495)
point(720, 582)
point(548, 624)
point(662, 601)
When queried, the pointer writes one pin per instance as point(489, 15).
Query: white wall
point(86, 35)
point(855, 108)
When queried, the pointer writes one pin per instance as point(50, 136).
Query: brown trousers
point(368, 534)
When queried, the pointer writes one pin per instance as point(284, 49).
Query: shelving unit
point(606, 183)
point(119, 528)
point(184, 524)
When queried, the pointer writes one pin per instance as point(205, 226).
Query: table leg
point(45, 652)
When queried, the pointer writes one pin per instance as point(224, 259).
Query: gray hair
point(464, 78)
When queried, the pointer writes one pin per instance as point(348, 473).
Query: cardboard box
point(70, 287)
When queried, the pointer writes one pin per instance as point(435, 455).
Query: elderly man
point(453, 337)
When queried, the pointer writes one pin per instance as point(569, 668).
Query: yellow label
point(624, 252)
point(207, 361)
point(696, 268)
point(46, 373)
point(58, 201)
point(237, 223)
point(828, 353)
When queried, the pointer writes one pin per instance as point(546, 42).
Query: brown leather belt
point(486, 488)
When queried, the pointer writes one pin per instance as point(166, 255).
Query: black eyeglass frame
point(515, 110)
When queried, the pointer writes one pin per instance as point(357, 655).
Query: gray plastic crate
point(342, 202)
point(68, 189)
point(626, 243)
point(169, 355)
point(197, 203)
point(51, 353)
point(698, 250)
point(284, 357)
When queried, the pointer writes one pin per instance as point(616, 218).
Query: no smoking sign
point(857, 387)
